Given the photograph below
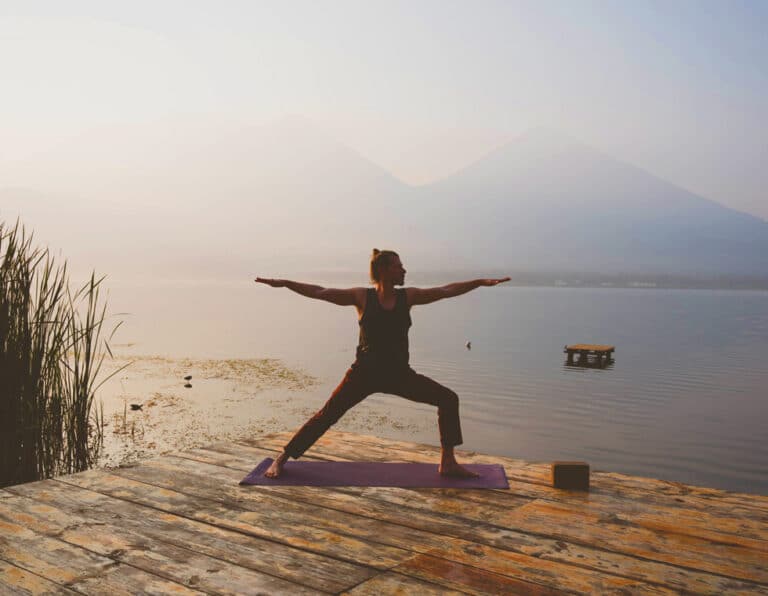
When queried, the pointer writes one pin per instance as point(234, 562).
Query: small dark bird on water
point(469, 345)
point(136, 406)
point(188, 378)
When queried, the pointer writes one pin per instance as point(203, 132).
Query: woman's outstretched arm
point(345, 297)
point(427, 295)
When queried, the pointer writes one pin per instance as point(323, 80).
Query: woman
point(381, 365)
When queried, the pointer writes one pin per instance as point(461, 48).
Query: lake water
point(685, 400)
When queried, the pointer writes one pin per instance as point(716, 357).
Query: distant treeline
point(634, 280)
point(555, 279)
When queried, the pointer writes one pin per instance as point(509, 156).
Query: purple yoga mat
point(364, 473)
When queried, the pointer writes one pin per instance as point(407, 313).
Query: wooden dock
point(597, 356)
point(180, 524)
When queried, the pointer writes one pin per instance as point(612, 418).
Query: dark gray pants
point(361, 381)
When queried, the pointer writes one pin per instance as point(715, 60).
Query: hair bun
point(376, 251)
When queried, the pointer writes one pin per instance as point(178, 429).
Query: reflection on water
point(590, 362)
point(686, 403)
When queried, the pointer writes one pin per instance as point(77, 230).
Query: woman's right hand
point(494, 282)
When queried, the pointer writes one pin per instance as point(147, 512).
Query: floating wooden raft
point(181, 524)
point(602, 354)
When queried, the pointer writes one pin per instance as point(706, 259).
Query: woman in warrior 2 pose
point(381, 365)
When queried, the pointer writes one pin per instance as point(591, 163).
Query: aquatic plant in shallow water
point(51, 352)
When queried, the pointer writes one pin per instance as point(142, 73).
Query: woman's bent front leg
point(421, 388)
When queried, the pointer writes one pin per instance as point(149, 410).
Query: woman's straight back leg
point(354, 388)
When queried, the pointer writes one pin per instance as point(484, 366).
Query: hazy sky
point(419, 87)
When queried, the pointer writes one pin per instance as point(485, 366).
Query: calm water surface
point(685, 400)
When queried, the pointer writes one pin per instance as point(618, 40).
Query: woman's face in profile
point(396, 271)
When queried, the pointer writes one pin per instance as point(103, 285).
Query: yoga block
point(572, 475)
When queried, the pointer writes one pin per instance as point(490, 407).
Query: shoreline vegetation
point(68, 403)
point(160, 404)
point(51, 352)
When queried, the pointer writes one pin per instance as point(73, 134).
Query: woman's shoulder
point(403, 296)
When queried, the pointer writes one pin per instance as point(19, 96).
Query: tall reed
point(51, 352)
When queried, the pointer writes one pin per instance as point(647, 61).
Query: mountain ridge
point(289, 193)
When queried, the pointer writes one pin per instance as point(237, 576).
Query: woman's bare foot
point(450, 467)
point(277, 466)
point(454, 469)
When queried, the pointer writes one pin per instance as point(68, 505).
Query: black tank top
point(384, 333)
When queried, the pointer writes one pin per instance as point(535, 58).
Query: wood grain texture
point(180, 523)
point(15, 580)
point(401, 585)
point(480, 527)
point(329, 575)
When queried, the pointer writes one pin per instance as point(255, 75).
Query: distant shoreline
point(629, 282)
point(556, 279)
point(519, 279)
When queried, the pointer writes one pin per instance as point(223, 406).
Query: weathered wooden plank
point(269, 519)
point(533, 471)
point(124, 580)
point(472, 580)
point(712, 564)
point(566, 523)
point(327, 574)
point(400, 511)
point(15, 580)
point(172, 563)
point(532, 480)
point(356, 451)
point(399, 585)
point(397, 508)
point(722, 530)
point(720, 525)
point(659, 522)
point(756, 504)
point(53, 559)
point(376, 531)
point(442, 537)
point(70, 566)
point(245, 458)
point(430, 502)
point(715, 528)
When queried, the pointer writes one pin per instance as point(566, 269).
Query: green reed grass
point(51, 351)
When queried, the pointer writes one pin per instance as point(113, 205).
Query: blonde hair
point(379, 259)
